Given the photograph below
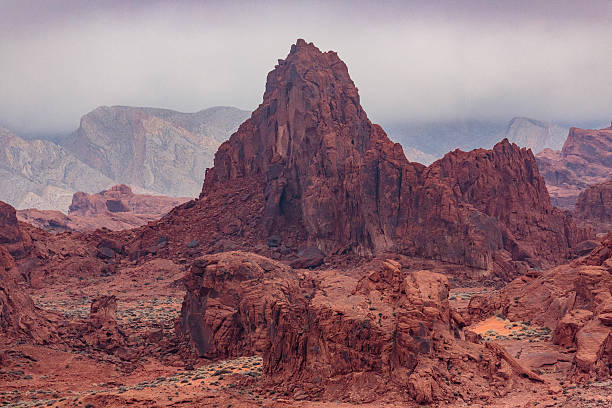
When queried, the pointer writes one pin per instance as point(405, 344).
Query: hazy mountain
point(41, 174)
point(437, 138)
point(535, 134)
point(160, 150)
point(152, 150)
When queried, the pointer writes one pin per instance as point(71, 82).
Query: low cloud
point(411, 61)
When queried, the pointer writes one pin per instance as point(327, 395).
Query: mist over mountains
point(166, 152)
point(155, 151)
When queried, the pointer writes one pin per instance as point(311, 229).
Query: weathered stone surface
point(229, 302)
point(329, 334)
point(594, 206)
point(19, 318)
point(308, 258)
point(10, 234)
point(574, 300)
point(584, 160)
point(101, 330)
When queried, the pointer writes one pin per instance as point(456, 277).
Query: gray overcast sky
point(411, 60)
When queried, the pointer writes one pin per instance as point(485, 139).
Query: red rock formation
point(227, 309)
point(117, 208)
point(19, 318)
point(333, 336)
point(574, 300)
point(11, 236)
point(584, 160)
point(594, 206)
point(102, 330)
point(311, 169)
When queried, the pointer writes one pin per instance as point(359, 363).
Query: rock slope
point(158, 150)
point(535, 134)
point(594, 206)
point(584, 160)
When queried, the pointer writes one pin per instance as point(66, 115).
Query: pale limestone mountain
point(42, 174)
point(536, 135)
point(160, 150)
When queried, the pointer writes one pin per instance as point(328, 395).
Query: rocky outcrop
point(10, 234)
point(574, 300)
point(117, 208)
point(488, 208)
point(584, 160)
point(101, 330)
point(594, 206)
point(19, 318)
point(158, 150)
point(311, 169)
point(228, 305)
point(334, 336)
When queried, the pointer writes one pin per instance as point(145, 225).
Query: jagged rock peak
point(312, 146)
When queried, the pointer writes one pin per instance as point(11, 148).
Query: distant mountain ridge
point(41, 174)
point(153, 150)
point(160, 150)
point(436, 138)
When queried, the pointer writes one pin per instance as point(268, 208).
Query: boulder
point(308, 258)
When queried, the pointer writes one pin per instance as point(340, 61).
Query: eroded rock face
point(101, 330)
point(334, 336)
point(594, 205)
point(228, 305)
point(310, 168)
point(584, 160)
point(10, 234)
point(19, 318)
point(574, 300)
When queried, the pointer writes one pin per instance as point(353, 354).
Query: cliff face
point(584, 160)
point(157, 150)
point(594, 206)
